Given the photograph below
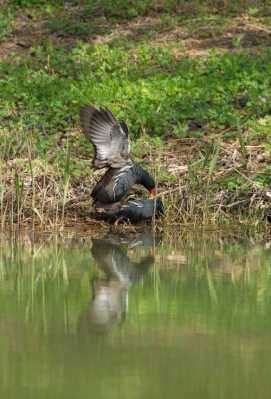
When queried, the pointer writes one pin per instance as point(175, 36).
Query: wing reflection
point(109, 304)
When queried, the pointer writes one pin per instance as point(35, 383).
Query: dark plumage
point(112, 150)
point(109, 138)
point(133, 211)
point(117, 183)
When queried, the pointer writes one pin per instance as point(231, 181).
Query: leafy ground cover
point(192, 80)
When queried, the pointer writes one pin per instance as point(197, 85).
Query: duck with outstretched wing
point(112, 150)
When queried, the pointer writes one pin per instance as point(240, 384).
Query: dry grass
point(193, 195)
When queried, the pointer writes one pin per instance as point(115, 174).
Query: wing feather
point(109, 138)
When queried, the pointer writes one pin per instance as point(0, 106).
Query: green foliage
point(264, 178)
point(119, 8)
point(261, 128)
point(146, 86)
point(35, 3)
point(64, 26)
point(6, 24)
point(234, 183)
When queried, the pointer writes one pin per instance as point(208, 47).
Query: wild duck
point(112, 151)
point(133, 211)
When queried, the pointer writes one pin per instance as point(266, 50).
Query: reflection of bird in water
point(145, 240)
point(110, 294)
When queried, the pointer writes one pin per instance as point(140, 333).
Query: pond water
point(134, 317)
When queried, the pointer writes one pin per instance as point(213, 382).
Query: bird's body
point(133, 211)
point(112, 151)
point(140, 210)
point(118, 182)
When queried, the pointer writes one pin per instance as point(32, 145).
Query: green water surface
point(138, 317)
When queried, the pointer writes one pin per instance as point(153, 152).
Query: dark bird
point(133, 211)
point(112, 151)
point(117, 183)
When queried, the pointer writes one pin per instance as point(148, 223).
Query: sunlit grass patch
point(6, 23)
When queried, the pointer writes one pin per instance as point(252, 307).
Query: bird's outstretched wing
point(109, 138)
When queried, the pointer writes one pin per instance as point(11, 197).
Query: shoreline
point(192, 194)
point(91, 227)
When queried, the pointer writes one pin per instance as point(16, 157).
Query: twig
point(170, 191)
point(254, 184)
point(236, 203)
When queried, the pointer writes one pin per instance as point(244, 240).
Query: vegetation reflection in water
point(134, 317)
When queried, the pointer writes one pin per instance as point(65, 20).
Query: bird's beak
point(152, 193)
